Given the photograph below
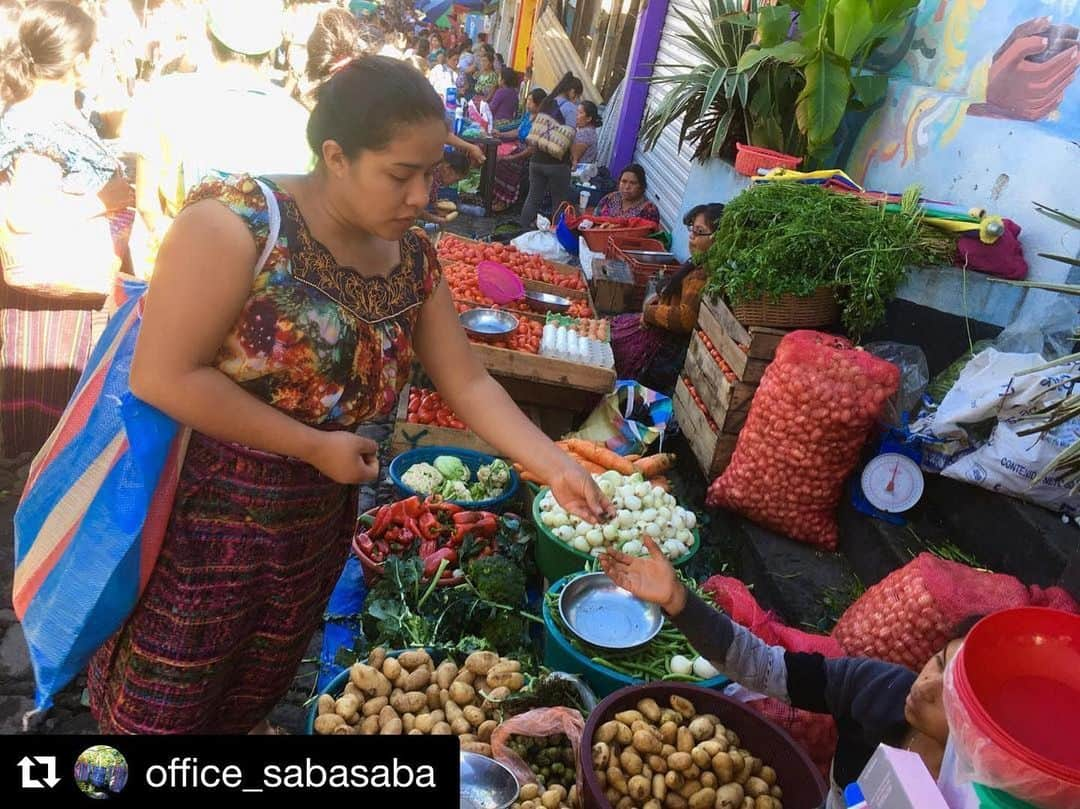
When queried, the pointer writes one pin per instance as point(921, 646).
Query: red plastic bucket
point(1013, 703)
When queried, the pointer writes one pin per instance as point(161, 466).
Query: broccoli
point(505, 633)
point(452, 468)
point(499, 580)
point(495, 476)
point(456, 490)
point(422, 478)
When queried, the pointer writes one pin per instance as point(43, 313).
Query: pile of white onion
point(641, 510)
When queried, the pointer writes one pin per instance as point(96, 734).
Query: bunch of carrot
point(596, 458)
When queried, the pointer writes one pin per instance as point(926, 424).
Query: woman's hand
point(476, 154)
point(577, 492)
point(650, 578)
point(345, 457)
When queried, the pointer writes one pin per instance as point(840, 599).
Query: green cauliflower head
point(495, 476)
point(452, 468)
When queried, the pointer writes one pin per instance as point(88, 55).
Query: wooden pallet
point(713, 449)
point(747, 350)
point(409, 436)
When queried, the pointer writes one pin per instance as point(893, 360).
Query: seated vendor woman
point(453, 168)
point(651, 347)
point(630, 199)
point(872, 701)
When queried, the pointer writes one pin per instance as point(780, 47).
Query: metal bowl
point(489, 324)
point(546, 302)
point(606, 616)
point(485, 783)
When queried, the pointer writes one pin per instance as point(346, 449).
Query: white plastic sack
point(542, 242)
point(994, 387)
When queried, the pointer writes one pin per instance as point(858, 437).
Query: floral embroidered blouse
point(317, 340)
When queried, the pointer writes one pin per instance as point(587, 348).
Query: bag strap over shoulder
point(274, 212)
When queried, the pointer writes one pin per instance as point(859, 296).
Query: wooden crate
point(712, 449)
point(549, 371)
point(728, 401)
point(408, 436)
point(747, 350)
point(613, 289)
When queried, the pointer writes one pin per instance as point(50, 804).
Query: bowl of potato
point(417, 692)
point(680, 746)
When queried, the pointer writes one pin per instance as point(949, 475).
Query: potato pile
point(554, 797)
point(409, 695)
point(671, 758)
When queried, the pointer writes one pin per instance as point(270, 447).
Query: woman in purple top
point(504, 101)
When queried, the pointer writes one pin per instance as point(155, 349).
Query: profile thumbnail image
point(101, 771)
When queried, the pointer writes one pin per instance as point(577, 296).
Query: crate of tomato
point(443, 535)
point(425, 420)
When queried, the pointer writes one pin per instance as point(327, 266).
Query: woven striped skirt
point(43, 350)
point(253, 549)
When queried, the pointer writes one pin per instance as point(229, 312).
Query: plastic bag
point(907, 617)
point(817, 403)
point(537, 722)
point(629, 419)
point(974, 434)
point(97, 501)
point(914, 377)
point(542, 242)
point(980, 759)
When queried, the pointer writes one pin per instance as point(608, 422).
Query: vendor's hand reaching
point(476, 154)
point(576, 491)
point(345, 457)
point(651, 578)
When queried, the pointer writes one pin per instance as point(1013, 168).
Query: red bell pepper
point(429, 526)
point(431, 563)
point(382, 522)
point(427, 547)
point(364, 543)
point(437, 505)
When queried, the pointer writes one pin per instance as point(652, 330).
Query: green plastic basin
point(556, 559)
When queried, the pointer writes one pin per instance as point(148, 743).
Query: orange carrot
point(632, 458)
point(592, 468)
point(662, 482)
point(655, 465)
point(601, 455)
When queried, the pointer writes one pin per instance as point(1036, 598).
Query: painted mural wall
point(983, 109)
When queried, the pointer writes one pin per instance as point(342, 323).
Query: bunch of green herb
point(484, 612)
point(780, 238)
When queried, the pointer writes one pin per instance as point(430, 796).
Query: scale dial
point(892, 482)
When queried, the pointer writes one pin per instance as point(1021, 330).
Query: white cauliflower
point(423, 478)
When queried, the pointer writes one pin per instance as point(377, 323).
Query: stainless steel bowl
point(485, 783)
point(606, 616)
point(489, 324)
point(546, 302)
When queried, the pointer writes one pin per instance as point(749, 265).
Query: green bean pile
point(650, 662)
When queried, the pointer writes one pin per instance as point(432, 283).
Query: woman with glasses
point(651, 347)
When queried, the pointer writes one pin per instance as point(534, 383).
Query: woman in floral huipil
point(273, 376)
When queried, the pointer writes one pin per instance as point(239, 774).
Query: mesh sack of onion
point(811, 415)
point(908, 616)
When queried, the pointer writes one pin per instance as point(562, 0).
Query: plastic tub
point(556, 559)
point(472, 459)
point(803, 785)
point(560, 654)
point(1012, 697)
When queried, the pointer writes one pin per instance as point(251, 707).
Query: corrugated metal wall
point(606, 141)
point(668, 169)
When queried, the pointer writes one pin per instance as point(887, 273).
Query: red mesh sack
point(908, 616)
point(1053, 597)
point(817, 403)
point(814, 731)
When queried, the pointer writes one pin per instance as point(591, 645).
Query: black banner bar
point(133, 769)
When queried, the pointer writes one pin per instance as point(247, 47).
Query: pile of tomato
point(729, 374)
point(427, 407)
point(527, 336)
point(532, 268)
